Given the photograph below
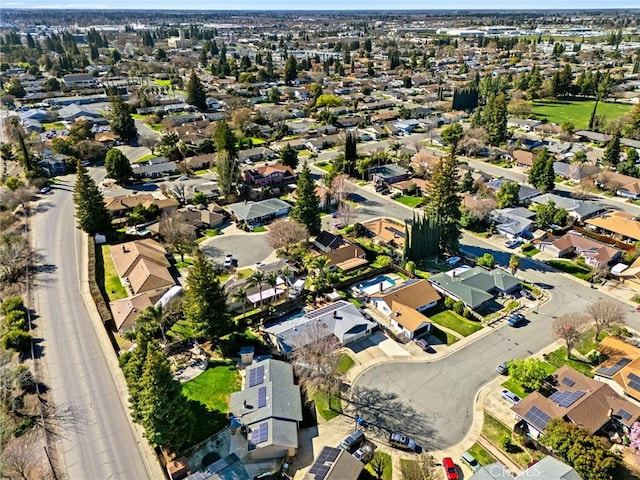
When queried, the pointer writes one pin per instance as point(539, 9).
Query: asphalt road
point(97, 440)
point(247, 249)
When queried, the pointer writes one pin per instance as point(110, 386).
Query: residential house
point(621, 370)
point(595, 137)
point(407, 126)
point(492, 471)
point(630, 276)
point(334, 464)
point(259, 212)
point(403, 305)
point(523, 158)
point(256, 154)
point(143, 267)
point(596, 254)
point(579, 210)
point(269, 175)
point(386, 231)
point(266, 413)
point(340, 319)
point(321, 143)
point(623, 185)
point(328, 242)
point(349, 121)
point(200, 162)
point(389, 174)
point(32, 126)
point(548, 468)
point(54, 165)
point(157, 167)
point(474, 286)
point(72, 112)
point(525, 193)
point(523, 123)
point(412, 186)
point(617, 224)
point(578, 399)
point(346, 258)
point(83, 80)
point(122, 205)
point(125, 311)
point(513, 222)
point(201, 217)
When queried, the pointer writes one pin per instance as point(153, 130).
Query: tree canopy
point(118, 166)
point(122, 123)
point(307, 207)
point(91, 212)
point(196, 94)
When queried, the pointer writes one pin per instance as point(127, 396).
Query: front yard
point(409, 201)
point(558, 358)
point(112, 284)
point(583, 273)
point(455, 322)
point(502, 437)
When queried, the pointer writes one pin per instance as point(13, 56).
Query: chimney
point(381, 286)
point(335, 314)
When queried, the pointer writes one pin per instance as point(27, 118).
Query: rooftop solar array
point(262, 397)
point(256, 376)
point(537, 418)
point(613, 369)
point(634, 381)
point(566, 399)
point(318, 312)
point(624, 414)
point(324, 462)
point(260, 433)
point(568, 382)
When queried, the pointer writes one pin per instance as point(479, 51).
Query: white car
point(512, 243)
point(183, 177)
point(228, 261)
point(509, 396)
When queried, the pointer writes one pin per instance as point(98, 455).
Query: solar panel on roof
point(260, 433)
point(537, 418)
point(256, 376)
point(613, 369)
point(567, 398)
point(262, 397)
point(624, 414)
point(568, 382)
point(323, 463)
point(633, 377)
point(635, 385)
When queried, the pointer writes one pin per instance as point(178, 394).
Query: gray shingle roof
point(254, 210)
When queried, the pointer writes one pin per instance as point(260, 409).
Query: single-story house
point(74, 111)
point(548, 468)
point(341, 319)
point(122, 205)
point(155, 169)
point(408, 125)
point(79, 80)
point(268, 410)
point(201, 217)
point(523, 123)
point(413, 186)
point(328, 242)
point(200, 162)
point(513, 222)
point(403, 305)
point(594, 253)
point(617, 224)
point(578, 209)
point(126, 310)
point(523, 158)
point(474, 286)
point(54, 165)
point(346, 258)
point(259, 212)
point(256, 154)
point(334, 464)
point(596, 137)
point(623, 185)
point(389, 174)
point(32, 126)
point(525, 193)
point(269, 175)
point(386, 231)
point(621, 370)
point(580, 400)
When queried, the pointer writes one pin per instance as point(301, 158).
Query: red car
point(450, 468)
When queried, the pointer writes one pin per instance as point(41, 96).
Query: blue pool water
point(373, 285)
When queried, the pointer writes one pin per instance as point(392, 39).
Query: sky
point(321, 5)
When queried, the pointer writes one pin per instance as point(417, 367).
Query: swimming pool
point(375, 285)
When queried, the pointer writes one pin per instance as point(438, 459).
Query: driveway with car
point(247, 248)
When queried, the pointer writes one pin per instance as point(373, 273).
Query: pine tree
point(539, 171)
point(228, 171)
point(91, 213)
point(205, 301)
point(289, 156)
point(496, 119)
point(549, 175)
point(443, 202)
point(196, 95)
point(307, 207)
point(224, 138)
point(122, 123)
point(290, 70)
point(612, 151)
point(118, 166)
point(165, 413)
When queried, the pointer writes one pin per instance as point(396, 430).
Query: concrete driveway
point(247, 248)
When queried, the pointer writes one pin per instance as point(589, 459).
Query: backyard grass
point(54, 126)
point(213, 387)
point(444, 337)
point(455, 322)
point(495, 430)
point(409, 201)
point(558, 358)
point(577, 111)
point(327, 407)
point(587, 342)
point(387, 473)
point(345, 362)
point(112, 284)
point(481, 455)
point(571, 268)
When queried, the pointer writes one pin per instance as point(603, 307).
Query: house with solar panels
point(334, 464)
point(578, 399)
point(266, 412)
point(622, 369)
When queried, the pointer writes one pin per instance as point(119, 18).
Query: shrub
point(487, 260)
point(448, 303)
point(458, 307)
point(17, 340)
point(11, 304)
point(596, 358)
point(16, 320)
point(383, 260)
point(467, 313)
point(23, 427)
point(25, 379)
point(410, 267)
point(506, 443)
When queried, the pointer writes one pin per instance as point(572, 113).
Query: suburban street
point(97, 441)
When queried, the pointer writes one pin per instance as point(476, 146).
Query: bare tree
point(341, 187)
point(15, 256)
point(605, 314)
point(345, 213)
point(283, 234)
point(178, 235)
point(315, 359)
point(422, 467)
point(378, 463)
point(570, 328)
point(22, 458)
point(20, 196)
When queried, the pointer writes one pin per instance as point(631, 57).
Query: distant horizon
point(329, 6)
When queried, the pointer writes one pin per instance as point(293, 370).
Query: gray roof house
point(341, 319)
point(493, 471)
point(474, 286)
point(389, 173)
point(269, 409)
point(262, 211)
point(513, 222)
point(525, 194)
point(550, 468)
point(578, 209)
point(155, 168)
point(74, 111)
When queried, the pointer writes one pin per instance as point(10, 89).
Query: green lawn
point(577, 111)
point(54, 126)
point(163, 83)
point(327, 407)
point(324, 165)
point(345, 362)
point(529, 250)
point(587, 343)
point(495, 430)
point(146, 158)
point(481, 455)
point(455, 322)
point(571, 268)
point(518, 389)
point(412, 202)
point(213, 387)
point(112, 284)
point(558, 358)
point(212, 232)
point(259, 229)
point(387, 473)
point(444, 337)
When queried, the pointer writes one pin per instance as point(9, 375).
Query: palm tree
point(241, 297)
point(272, 280)
point(285, 273)
point(320, 264)
point(152, 319)
point(395, 148)
point(256, 279)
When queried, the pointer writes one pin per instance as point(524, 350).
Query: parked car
point(509, 396)
point(422, 344)
point(45, 189)
point(450, 468)
point(503, 368)
point(228, 261)
point(363, 454)
point(183, 177)
point(470, 460)
point(515, 320)
point(352, 441)
point(403, 442)
point(512, 243)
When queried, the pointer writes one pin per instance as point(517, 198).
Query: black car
point(516, 320)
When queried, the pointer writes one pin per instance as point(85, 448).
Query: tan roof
point(408, 317)
point(522, 157)
point(147, 275)
point(631, 184)
point(619, 223)
point(386, 230)
point(126, 255)
point(126, 202)
point(590, 248)
point(404, 184)
point(351, 263)
point(126, 311)
point(413, 294)
point(614, 346)
point(269, 169)
point(164, 204)
point(106, 137)
point(340, 256)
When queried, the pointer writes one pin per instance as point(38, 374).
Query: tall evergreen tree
point(541, 173)
point(496, 123)
point(205, 301)
point(307, 207)
point(91, 212)
point(289, 156)
point(228, 171)
point(122, 123)
point(443, 202)
point(224, 138)
point(118, 166)
point(612, 151)
point(290, 70)
point(196, 95)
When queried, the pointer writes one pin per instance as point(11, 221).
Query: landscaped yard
point(495, 431)
point(558, 358)
point(324, 166)
point(146, 158)
point(445, 337)
point(518, 389)
point(327, 407)
point(577, 111)
point(54, 126)
point(529, 250)
point(455, 322)
point(571, 268)
point(409, 201)
point(345, 362)
point(213, 387)
point(112, 284)
point(387, 473)
point(481, 455)
point(259, 229)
